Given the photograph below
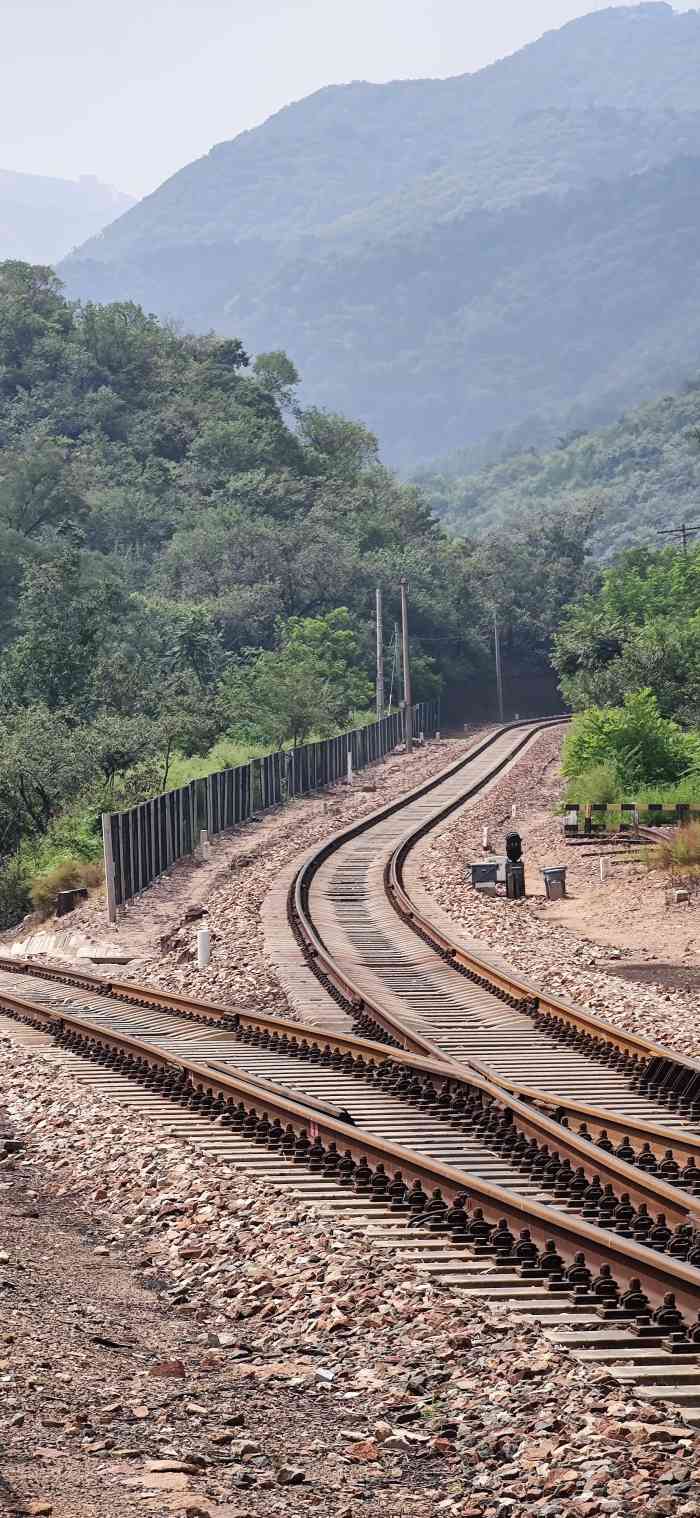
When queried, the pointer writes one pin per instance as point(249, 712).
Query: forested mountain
point(42, 219)
point(511, 250)
point(187, 553)
point(634, 478)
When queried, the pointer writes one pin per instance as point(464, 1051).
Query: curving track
point(471, 1082)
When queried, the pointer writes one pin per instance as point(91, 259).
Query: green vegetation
point(632, 745)
point(679, 854)
point(632, 478)
point(640, 629)
point(188, 559)
point(511, 251)
point(628, 659)
point(311, 682)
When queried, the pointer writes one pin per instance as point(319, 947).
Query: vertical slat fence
point(141, 844)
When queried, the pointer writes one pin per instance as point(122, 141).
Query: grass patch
point(227, 753)
point(600, 785)
point(224, 755)
point(65, 876)
point(679, 854)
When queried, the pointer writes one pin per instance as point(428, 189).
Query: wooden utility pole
point(408, 699)
point(499, 670)
point(380, 657)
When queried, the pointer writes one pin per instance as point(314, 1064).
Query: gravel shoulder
point(178, 1338)
point(232, 887)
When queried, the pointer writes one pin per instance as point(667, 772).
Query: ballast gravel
point(240, 973)
point(178, 1337)
point(564, 962)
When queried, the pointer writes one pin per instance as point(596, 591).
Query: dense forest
point(186, 552)
point(511, 251)
point(635, 478)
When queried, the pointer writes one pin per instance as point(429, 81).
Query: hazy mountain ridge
point(398, 237)
point(42, 219)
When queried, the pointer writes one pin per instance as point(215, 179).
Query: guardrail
point(141, 844)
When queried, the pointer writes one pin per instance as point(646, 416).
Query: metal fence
point(141, 844)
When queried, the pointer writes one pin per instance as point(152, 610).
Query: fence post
point(256, 785)
point(138, 880)
point(122, 872)
point(109, 867)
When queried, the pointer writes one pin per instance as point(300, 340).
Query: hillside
point(425, 249)
point(640, 475)
point(42, 219)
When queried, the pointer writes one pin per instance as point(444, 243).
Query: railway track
point(487, 1182)
point(400, 975)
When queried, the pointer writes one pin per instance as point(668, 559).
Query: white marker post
point(202, 948)
point(349, 766)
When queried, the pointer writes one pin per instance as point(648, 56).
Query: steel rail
point(673, 1078)
point(220, 1095)
point(320, 955)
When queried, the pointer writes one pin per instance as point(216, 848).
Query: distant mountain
point(42, 219)
point(507, 250)
point(637, 476)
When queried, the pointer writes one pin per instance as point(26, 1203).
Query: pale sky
point(132, 90)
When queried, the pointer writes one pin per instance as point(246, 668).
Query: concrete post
point(109, 867)
point(202, 948)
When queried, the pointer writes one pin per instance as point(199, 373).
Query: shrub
point(641, 746)
point(679, 853)
point(64, 876)
point(599, 784)
point(14, 891)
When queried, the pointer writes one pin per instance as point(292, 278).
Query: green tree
point(641, 629)
point(640, 745)
point(311, 682)
point(61, 621)
point(278, 374)
point(38, 493)
point(46, 761)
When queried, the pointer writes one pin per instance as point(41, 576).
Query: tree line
point(186, 551)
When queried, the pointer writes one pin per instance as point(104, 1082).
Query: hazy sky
point(131, 90)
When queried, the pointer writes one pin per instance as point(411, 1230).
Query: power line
point(685, 531)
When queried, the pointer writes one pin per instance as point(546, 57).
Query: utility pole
point(684, 532)
point(499, 670)
point(408, 700)
point(380, 657)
